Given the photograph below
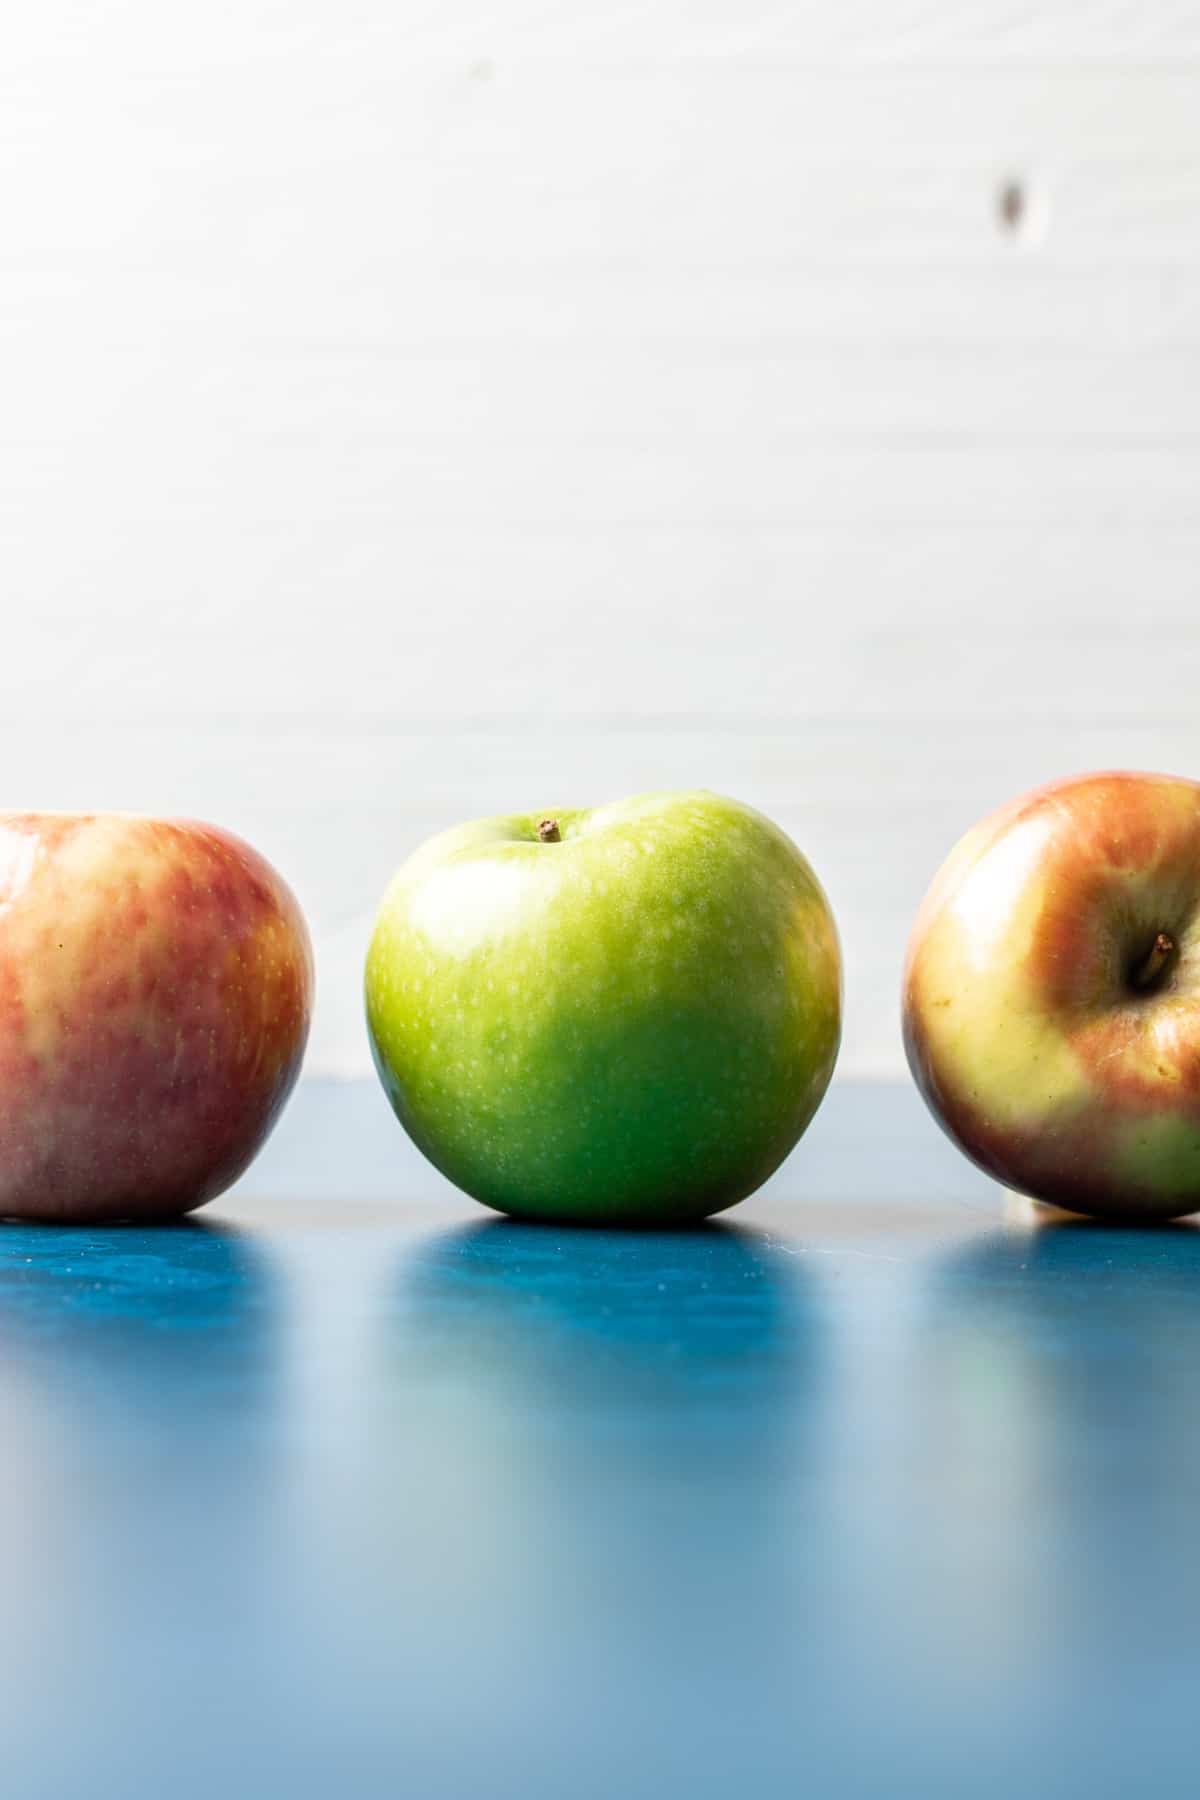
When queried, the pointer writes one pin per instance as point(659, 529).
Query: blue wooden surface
point(882, 1487)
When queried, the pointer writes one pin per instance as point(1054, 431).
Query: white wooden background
point(411, 410)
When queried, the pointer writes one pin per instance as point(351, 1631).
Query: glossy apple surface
point(628, 1018)
point(1052, 995)
point(155, 990)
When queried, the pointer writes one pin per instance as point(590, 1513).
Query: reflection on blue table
point(519, 1511)
point(115, 1311)
point(137, 1368)
point(593, 1438)
point(1056, 1383)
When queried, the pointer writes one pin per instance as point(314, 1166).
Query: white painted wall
point(412, 410)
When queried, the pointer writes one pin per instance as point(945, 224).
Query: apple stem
point(1154, 962)
point(548, 832)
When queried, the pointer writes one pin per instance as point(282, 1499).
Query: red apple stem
point(1154, 962)
point(548, 831)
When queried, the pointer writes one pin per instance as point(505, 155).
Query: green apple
point(624, 1015)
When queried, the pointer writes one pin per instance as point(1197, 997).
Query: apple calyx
point(548, 832)
point(1147, 974)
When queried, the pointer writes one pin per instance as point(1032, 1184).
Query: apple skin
point(632, 1025)
point(1030, 1026)
point(155, 994)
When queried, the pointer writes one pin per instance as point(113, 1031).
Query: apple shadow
point(667, 1342)
point(1024, 1212)
point(1093, 1316)
point(139, 1328)
point(142, 1384)
point(1054, 1372)
point(597, 1417)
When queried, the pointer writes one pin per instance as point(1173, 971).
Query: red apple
point(1052, 995)
point(155, 992)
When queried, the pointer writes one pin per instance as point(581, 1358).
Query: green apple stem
point(548, 832)
point(1154, 962)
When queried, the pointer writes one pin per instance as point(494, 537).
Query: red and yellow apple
point(1052, 995)
point(155, 993)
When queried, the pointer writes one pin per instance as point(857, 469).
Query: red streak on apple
point(155, 995)
point(1050, 1037)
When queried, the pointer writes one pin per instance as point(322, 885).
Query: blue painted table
point(884, 1487)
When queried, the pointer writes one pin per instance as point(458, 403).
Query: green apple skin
point(631, 1025)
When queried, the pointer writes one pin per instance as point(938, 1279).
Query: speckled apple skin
point(155, 993)
point(1022, 1031)
point(631, 1026)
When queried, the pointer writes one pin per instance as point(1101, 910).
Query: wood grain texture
point(415, 412)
